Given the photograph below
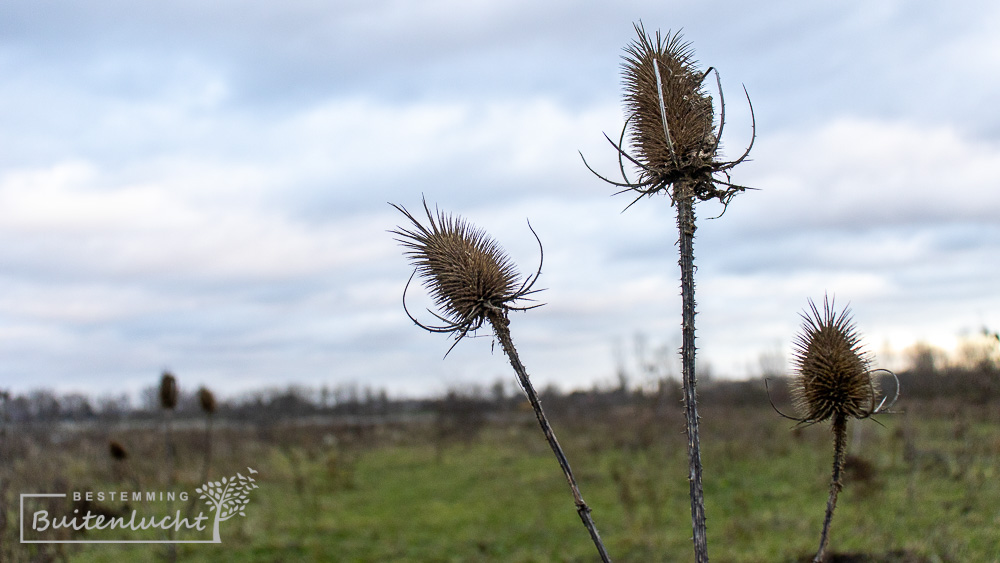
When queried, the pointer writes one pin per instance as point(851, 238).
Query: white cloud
point(867, 174)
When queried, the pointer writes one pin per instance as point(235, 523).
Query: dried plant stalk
point(168, 402)
point(671, 122)
point(686, 227)
point(474, 282)
point(207, 401)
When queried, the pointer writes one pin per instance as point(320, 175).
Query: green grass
point(502, 497)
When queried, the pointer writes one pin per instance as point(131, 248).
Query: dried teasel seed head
point(833, 375)
point(467, 273)
point(670, 119)
point(168, 391)
point(117, 451)
point(689, 114)
point(206, 399)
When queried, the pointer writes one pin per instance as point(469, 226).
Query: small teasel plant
point(206, 400)
point(473, 282)
point(671, 126)
point(120, 467)
point(168, 403)
point(119, 457)
point(833, 381)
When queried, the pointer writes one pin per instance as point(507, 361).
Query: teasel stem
point(207, 461)
point(501, 328)
point(839, 453)
point(207, 401)
point(684, 199)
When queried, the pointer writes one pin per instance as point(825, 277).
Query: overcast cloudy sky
point(203, 186)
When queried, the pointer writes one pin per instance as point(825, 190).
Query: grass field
point(923, 487)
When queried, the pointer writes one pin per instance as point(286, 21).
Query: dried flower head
point(117, 451)
point(833, 371)
point(671, 121)
point(467, 273)
point(206, 399)
point(168, 391)
point(687, 108)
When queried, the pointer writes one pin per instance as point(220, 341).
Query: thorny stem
point(501, 328)
point(839, 451)
point(684, 198)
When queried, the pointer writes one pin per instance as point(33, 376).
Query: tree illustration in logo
point(228, 497)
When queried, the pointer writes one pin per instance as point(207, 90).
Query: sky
point(204, 186)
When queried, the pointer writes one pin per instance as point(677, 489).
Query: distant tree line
point(971, 375)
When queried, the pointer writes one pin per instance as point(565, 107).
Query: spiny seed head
point(689, 111)
point(207, 400)
point(833, 372)
point(168, 391)
point(670, 121)
point(467, 273)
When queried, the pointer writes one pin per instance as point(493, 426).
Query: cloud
point(869, 174)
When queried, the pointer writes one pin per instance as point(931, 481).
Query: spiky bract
point(467, 273)
point(833, 375)
point(689, 113)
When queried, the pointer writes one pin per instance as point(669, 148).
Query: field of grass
point(923, 487)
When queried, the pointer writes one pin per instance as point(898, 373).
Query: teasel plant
point(671, 125)
point(834, 381)
point(206, 400)
point(473, 282)
point(168, 402)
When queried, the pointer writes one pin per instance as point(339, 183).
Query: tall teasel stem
point(474, 282)
point(672, 124)
point(686, 227)
point(168, 401)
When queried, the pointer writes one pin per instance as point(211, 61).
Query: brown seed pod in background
point(207, 400)
point(168, 391)
point(833, 373)
point(117, 451)
point(467, 273)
